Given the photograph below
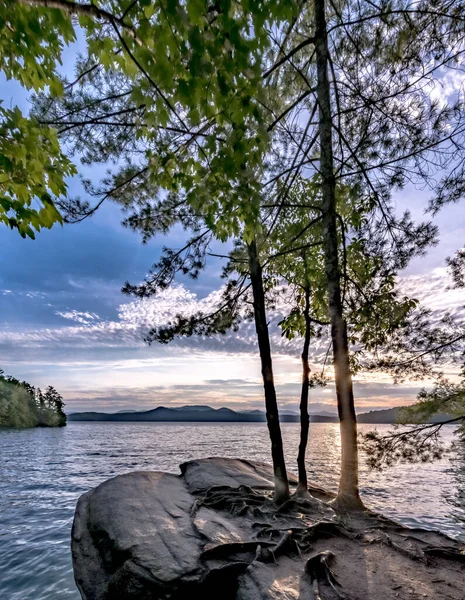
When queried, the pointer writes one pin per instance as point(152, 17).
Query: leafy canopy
point(33, 168)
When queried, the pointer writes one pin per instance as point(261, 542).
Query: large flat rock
point(200, 475)
point(134, 532)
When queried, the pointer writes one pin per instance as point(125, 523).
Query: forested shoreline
point(22, 405)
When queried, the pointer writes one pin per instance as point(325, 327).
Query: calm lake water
point(44, 471)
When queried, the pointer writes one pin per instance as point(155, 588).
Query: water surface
point(44, 471)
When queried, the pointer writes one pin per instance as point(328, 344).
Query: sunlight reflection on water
point(43, 472)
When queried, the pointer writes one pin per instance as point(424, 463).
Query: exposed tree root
point(344, 503)
point(302, 492)
point(319, 569)
point(445, 552)
point(259, 550)
point(386, 540)
point(422, 550)
point(287, 546)
point(295, 529)
point(237, 501)
point(234, 549)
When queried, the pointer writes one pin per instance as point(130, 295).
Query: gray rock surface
point(141, 535)
point(200, 475)
point(217, 528)
point(135, 532)
point(274, 582)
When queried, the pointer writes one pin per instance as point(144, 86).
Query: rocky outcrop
point(214, 532)
point(132, 533)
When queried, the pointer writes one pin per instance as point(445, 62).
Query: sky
point(64, 321)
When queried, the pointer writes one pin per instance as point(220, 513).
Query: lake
point(44, 471)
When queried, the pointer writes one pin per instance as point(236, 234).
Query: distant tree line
point(22, 405)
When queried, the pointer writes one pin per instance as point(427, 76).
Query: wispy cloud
point(433, 291)
point(448, 86)
point(103, 363)
point(85, 318)
point(135, 318)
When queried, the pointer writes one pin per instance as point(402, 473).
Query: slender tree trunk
point(272, 416)
point(348, 494)
point(302, 488)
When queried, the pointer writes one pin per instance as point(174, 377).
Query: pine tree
point(419, 351)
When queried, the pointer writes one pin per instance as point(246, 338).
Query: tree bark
point(272, 416)
point(302, 488)
point(348, 494)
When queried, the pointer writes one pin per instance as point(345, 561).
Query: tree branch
point(88, 10)
point(290, 54)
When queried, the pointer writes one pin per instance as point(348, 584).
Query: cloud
point(134, 319)
point(449, 86)
point(79, 317)
point(433, 291)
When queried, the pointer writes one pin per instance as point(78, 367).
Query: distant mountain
point(181, 414)
point(194, 407)
point(207, 414)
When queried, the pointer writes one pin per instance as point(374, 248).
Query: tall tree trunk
point(272, 416)
point(348, 494)
point(302, 488)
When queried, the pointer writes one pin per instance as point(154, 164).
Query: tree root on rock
point(318, 567)
point(228, 551)
point(325, 529)
point(287, 545)
point(237, 501)
point(301, 504)
point(294, 530)
point(259, 550)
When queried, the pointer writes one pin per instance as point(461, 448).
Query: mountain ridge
point(207, 414)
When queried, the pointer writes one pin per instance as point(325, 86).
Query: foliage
point(17, 406)
point(372, 306)
point(410, 445)
point(219, 113)
point(187, 114)
point(31, 44)
point(33, 168)
point(422, 442)
point(22, 405)
point(457, 268)
point(213, 103)
point(425, 349)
